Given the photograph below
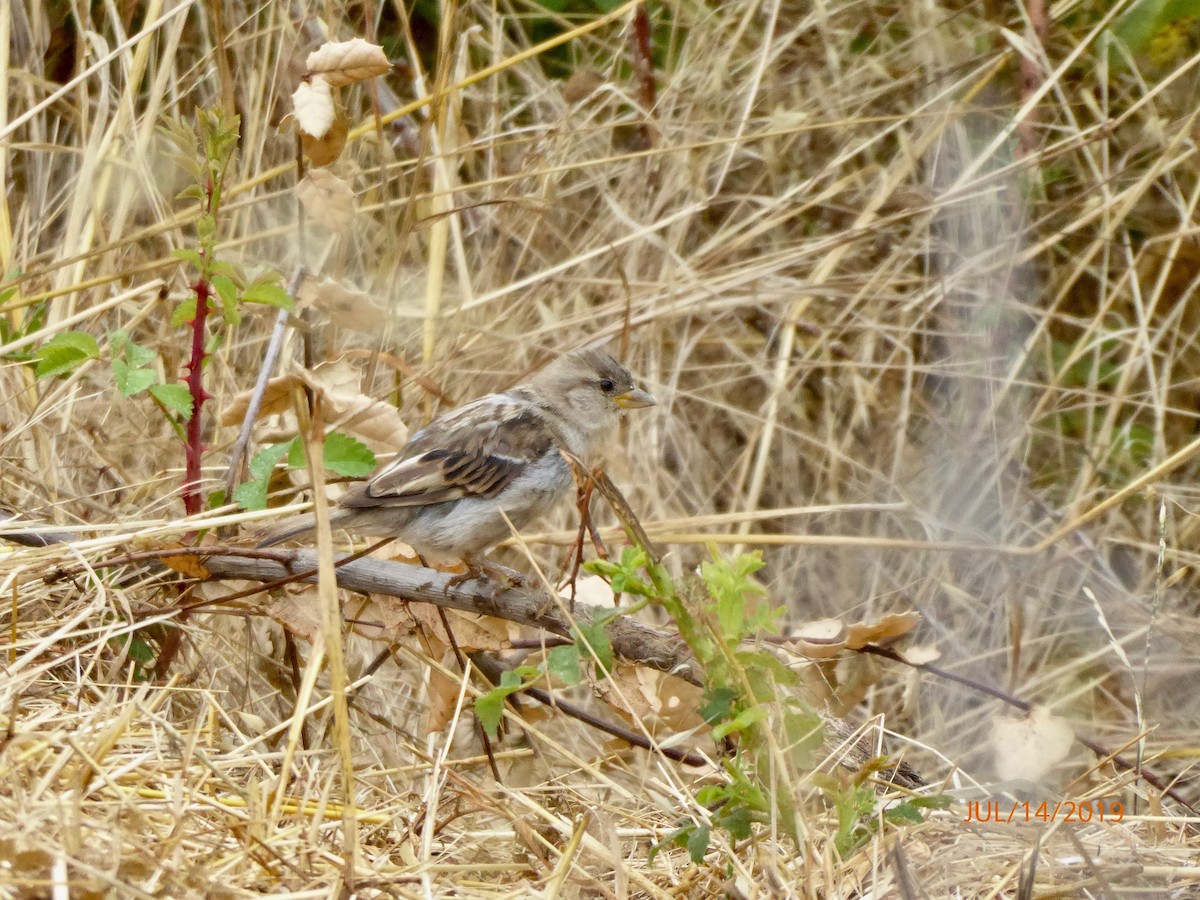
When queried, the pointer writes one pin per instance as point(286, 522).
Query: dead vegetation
point(924, 364)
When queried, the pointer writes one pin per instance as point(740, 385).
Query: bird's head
point(592, 388)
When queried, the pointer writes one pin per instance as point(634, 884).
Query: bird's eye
point(606, 385)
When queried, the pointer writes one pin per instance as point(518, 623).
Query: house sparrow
point(455, 481)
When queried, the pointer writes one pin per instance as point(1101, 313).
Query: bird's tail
point(295, 527)
point(298, 527)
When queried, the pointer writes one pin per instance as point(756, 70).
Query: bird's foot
point(481, 570)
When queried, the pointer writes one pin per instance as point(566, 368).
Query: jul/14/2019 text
point(1005, 812)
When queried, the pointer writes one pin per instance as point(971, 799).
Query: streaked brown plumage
point(458, 478)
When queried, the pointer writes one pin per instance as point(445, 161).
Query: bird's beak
point(635, 398)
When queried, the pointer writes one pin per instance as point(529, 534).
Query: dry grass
point(914, 366)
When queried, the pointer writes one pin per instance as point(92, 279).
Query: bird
point(461, 480)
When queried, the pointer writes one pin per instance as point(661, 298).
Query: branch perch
point(631, 639)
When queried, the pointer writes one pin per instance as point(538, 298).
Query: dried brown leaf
point(822, 639)
point(326, 148)
point(655, 699)
point(378, 424)
point(1027, 748)
point(327, 199)
point(443, 694)
point(884, 631)
point(389, 619)
point(190, 565)
point(297, 610)
point(315, 108)
point(277, 398)
point(826, 638)
point(345, 62)
point(344, 307)
point(346, 408)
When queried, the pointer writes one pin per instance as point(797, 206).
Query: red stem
point(194, 449)
point(643, 58)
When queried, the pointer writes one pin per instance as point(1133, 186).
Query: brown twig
point(492, 668)
point(584, 487)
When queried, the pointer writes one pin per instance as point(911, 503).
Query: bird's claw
point(499, 576)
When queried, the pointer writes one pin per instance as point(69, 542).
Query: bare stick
point(237, 457)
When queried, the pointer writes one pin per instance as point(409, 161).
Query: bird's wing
point(474, 451)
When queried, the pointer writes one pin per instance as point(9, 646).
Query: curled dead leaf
point(822, 639)
point(389, 619)
point(653, 698)
point(315, 109)
point(378, 424)
point(822, 631)
point(188, 564)
point(327, 199)
point(826, 638)
point(326, 148)
point(1027, 748)
point(920, 654)
point(298, 610)
point(884, 631)
point(346, 408)
point(344, 307)
point(346, 62)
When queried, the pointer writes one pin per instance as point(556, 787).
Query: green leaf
point(1162, 29)
point(264, 461)
point(118, 342)
point(563, 664)
point(58, 361)
point(805, 734)
point(718, 704)
point(221, 267)
point(736, 819)
point(135, 354)
point(743, 721)
point(131, 380)
point(765, 671)
point(252, 494)
point(347, 456)
point(140, 650)
point(903, 812)
point(602, 567)
point(65, 352)
point(191, 192)
point(625, 576)
point(206, 232)
point(174, 397)
point(228, 292)
point(490, 707)
point(697, 843)
point(269, 294)
point(187, 254)
point(592, 640)
point(730, 585)
point(184, 312)
point(77, 340)
point(297, 457)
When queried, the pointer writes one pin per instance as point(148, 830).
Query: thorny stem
point(194, 449)
point(193, 500)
